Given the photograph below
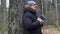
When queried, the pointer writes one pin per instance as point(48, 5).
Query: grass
point(3, 28)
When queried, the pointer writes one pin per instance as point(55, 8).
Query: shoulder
point(28, 14)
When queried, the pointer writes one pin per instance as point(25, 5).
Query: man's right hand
point(40, 20)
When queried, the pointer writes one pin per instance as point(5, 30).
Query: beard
point(36, 10)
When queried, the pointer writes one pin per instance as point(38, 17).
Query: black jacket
point(30, 23)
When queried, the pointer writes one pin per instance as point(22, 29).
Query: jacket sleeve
point(28, 24)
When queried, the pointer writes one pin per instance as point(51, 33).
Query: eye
point(35, 4)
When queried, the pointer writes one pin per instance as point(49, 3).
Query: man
point(31, 23)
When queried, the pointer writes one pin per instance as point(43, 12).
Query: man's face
point(34, 7)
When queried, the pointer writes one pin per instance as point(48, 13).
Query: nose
point(35, 5)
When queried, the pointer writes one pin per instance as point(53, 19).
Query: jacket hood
point(28, 8)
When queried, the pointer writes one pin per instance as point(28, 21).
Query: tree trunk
point(15, 16)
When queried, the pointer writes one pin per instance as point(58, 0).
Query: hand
point(40, 20)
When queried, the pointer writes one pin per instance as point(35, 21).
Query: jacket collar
point(31, 11)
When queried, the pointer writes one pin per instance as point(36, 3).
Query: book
point(43, 17)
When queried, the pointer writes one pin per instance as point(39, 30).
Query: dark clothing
point(30, 23)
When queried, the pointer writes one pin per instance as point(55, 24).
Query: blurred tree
point(15, 16)
point(3, 15)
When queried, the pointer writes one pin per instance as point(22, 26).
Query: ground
point(50, 31)
point(45, 30)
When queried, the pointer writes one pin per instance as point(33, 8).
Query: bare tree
point(56, 6)
point(15, 16)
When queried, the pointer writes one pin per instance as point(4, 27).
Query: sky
point(0, 2)
point(7, 3)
